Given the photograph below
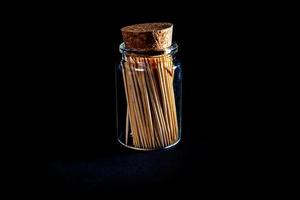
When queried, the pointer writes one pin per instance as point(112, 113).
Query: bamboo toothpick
point(151, 112)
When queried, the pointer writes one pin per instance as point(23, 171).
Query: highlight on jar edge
point(148, 84)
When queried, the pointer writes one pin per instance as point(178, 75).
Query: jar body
point(148, 98)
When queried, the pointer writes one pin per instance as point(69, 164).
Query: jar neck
point(135, 52)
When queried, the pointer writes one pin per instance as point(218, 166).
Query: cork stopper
point(148, 36)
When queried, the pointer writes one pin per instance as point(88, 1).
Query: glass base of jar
point(143, 149)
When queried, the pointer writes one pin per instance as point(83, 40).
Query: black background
point(71, 53)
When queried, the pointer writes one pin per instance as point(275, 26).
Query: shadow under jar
point(148, 98)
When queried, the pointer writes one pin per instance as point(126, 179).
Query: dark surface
point(70, 95)
point(121, 169)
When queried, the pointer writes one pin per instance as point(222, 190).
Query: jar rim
point(169, 50)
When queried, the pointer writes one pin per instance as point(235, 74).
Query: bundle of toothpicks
point(151, 118)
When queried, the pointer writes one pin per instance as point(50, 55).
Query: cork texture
point(148, 36)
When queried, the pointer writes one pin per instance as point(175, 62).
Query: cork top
point(148, 36)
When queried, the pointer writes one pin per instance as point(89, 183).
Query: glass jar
point(148, 98)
